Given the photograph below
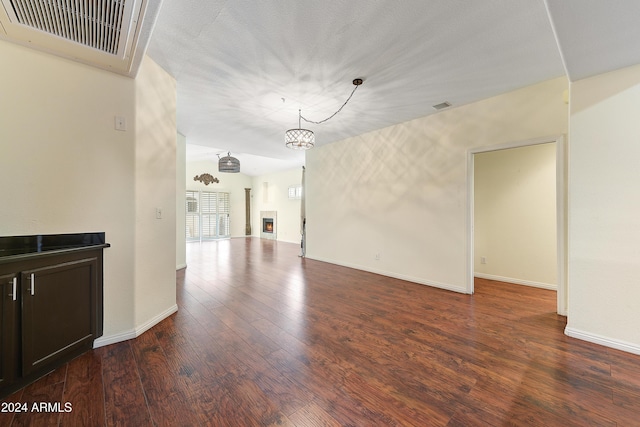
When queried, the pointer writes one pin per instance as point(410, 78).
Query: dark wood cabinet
point(9, 308)
point(51, 311)
point(57, 315)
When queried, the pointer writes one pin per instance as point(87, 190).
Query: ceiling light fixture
point(299, 139)
point(304, 139)
point(228, 164)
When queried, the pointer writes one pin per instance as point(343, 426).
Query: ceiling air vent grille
point(93, 23)
point(442, 105)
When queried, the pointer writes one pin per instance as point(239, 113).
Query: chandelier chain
point(331, 116)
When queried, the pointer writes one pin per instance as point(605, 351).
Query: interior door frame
point(561, 211)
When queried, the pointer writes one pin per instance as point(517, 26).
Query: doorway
point(560, 211)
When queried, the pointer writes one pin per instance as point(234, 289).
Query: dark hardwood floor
point(263, 337)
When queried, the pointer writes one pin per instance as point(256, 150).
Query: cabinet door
point(9, 301)
point(58, 316)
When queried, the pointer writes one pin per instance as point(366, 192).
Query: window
point(207, 215)
point(295, 192)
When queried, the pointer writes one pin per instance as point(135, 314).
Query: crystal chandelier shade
point(299, 139)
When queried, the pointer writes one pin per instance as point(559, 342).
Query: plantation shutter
point(207, 215)
point(192, 215)
point(224, 209)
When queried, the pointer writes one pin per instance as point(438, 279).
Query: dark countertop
point(19, 247)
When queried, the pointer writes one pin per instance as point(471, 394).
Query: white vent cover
point(102, 33)
point(96, 23)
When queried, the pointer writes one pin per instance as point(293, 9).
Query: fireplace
point(269, 220)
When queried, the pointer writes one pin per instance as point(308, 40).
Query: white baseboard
point(289, 241)
point(549, 286)
point(135, 333)
point(601, 340)
point(180, 266)
point(394, 275)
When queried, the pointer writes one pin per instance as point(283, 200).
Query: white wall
point(400, 192)
point(515, 215)
point(155, 186)
point(271, 193)
point(65, 169)
point(232, 183)
point(604, 207)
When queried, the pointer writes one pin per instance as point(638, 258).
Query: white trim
point(549, 286)
point(181, 266)
point(112, 339)
point(561, 219)
point(135, 333)
point(412, 279)
point(601, 340)
point(561, 208)
point(289, 241)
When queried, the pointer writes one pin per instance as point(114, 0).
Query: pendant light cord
point(356, 82)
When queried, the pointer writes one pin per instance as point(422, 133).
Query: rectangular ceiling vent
point(102, 33)
point(442, 105)
point(93, 23)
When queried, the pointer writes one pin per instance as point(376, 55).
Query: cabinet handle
point(14, 294)
point(33, 283)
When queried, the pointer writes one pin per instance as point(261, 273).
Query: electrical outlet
point(483, 260)
point(377, 256)
point(158, 213)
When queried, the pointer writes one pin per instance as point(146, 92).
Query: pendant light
point(304, 139)
point(299, 139)
point(228, 164)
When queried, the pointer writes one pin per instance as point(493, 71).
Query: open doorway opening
point(511, 236)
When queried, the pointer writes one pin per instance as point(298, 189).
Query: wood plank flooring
point(265, 338)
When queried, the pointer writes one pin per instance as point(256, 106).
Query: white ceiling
point(244, 67)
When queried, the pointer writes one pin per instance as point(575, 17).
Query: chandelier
point(304, 139)
point(228, 164)
point(299, 139)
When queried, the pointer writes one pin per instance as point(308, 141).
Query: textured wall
point(394, 201)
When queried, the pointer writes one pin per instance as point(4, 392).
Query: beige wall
point(604, 207)
point(400, 194)
point(515, 215)
point(271, 193)
point(65, 169)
